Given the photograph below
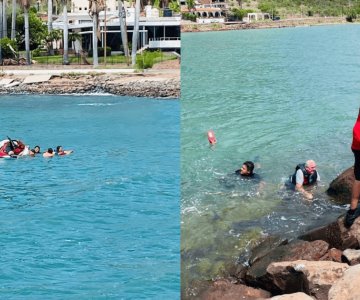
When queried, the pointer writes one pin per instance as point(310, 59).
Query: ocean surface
point(103, 222)
point(274, 96)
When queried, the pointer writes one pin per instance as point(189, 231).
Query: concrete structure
point(156, 32)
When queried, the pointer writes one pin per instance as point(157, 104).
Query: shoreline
point(163, 81)
point(268, 24)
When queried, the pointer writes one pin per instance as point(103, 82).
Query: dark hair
point(250, 166)
point(50, 150)
point(58, 148)
point(36, 147)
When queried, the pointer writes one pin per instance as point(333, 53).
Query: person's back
point(49, 153)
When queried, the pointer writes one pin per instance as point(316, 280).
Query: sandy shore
point(162, 81)
point(294, 22)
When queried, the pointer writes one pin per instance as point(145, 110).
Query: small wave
point(96, 104)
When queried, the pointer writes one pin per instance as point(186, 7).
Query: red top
point(356, 135)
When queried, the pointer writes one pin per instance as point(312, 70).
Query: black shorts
point(357, 164)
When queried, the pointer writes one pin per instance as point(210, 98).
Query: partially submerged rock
point(340, 187)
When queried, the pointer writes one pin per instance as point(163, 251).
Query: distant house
point(253, 17)
point(207, 11)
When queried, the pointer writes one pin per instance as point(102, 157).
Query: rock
point(264, 247)
point(225, 290)
point(336, 234)
point(295, 296)
point(340, 187)
point(351, 256)
point(297, 250)
point(333, 255)
point(315, 278)
point(346, 287)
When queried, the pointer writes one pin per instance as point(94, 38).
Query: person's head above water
point(310, 166)
point(247, 168)
point(50, 150)
point(59, 149)
point(37, 149)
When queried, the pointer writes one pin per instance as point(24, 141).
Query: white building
point(156, 32)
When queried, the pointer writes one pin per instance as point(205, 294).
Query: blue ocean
point(103, 222)
point(277, 97)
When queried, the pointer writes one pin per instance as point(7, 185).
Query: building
point(159, 29)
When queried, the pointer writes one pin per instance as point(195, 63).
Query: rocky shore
point(323, 264)
point(157, 83)
point(294, 22)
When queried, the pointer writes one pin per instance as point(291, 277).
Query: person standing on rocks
point(354, 212)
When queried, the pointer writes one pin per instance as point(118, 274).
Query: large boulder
point(225, 290)
point(336, 234)
point(256, 275)
point(346, 287)
point(314, 278)
point(340, 187)
point(351, 256)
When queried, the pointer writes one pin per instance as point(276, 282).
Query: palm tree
point(4, 19)
point(25, 5)
point(73, 37)
point(94, 9)
point(1, 19)
point(135, 36)
point(50, 10)
point(123, 30)
point(1, 27)
point(65, 33)
point(13, 19)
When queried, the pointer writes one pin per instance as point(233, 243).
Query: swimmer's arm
point(299, 187)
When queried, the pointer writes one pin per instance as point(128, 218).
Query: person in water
point(305, 174)
point(246, 170)
point(49, 153)
point(35, 151)
point(354, 211)
point(60, 151)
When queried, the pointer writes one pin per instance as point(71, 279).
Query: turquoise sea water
point(102, 223)
point(278, 97)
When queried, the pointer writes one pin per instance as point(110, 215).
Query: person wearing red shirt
point(353, 212)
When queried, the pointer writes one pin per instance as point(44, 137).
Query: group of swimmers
point(50, 152)
point(305, 174)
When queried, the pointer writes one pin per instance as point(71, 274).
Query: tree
point(73, 37)
point(123, 30)
point(174, 6)
point(13, 19)
point(135, 36)
point(37, 30)
point(50, 10)
point(4, 19)
point(52, 36)
point(65, 33)
point(95, 7)
point(26, 5)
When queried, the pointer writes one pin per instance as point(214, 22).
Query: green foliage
point(190, 4)
point(310, 7)
point(239, 13)
point(351, 15)
point(268, 7)
point(188, 16)
point(5, 49)
point(37, 30)
point(174, 6)
point(147, 59)
point(156, 4)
